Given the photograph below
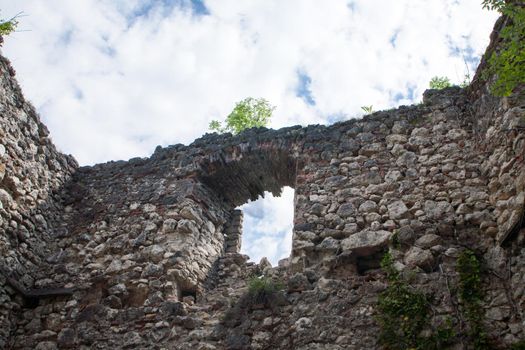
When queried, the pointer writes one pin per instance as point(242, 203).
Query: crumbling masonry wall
point(31, 173)
point(150, 246)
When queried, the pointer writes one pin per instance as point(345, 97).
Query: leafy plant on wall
point(7, 26)
point(507, 63)
point(248, 113)
point(439, 83)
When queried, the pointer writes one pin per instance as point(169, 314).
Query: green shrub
point(439, 83)
point(248, 113)
point(8, 26)
point(261, 288)
point(507, 63)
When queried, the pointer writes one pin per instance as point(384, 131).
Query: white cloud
point(111, 84)
point(268, 226)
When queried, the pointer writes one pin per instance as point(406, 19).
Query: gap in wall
point(267, 227)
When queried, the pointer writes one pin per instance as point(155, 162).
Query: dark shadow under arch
point(237, 181)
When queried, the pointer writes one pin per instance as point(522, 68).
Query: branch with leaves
point(7, 26)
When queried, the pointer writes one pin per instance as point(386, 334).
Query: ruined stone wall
point(502, 134)
point(144, 235)
point(132, 222)
point(31, 171)
point(151, 245)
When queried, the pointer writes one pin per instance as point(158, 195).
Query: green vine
point(404, 312)
point(471, 295)
point(403, 315)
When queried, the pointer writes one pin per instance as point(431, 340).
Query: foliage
point(404, 315)
point(439, 83)
point(494, 5)
point(471, 295)
point(263, 292)
point(395, 240)
point(518, 346)
point(466, 80)
point(8, 26)
point(387, 264)
point(262, 288)
point(368, 109)
point(262, 284)
point(508, 62)
point(248, 113)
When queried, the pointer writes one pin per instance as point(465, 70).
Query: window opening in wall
point(370, 262)
point(187, 295)
point(267, 227)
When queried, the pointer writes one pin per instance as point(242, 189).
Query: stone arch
point(237, 177)
point(244, 171)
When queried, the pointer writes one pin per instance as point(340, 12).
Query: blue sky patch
point(394, 36)
point(408, 94)
point(255, 209)
point(197, 7)
point(467, 52)
point(65, 37)
point(303, 88)
point(77, 92)
point(336, 117)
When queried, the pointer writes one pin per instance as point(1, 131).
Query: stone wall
point(151, 246)
point(31, 171)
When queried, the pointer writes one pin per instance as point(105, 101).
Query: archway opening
point(267, 226)
point(258, 178)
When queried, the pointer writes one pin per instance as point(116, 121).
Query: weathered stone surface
point(427, 241)
point(421, 258)
point(298, 283)
point(66, 338)
point(366, 242)
point(397, 210)
point(406, 235)
point(368, 207)
point(46, 345)
point(329, 244)
point(437, 210)
point(346, 210)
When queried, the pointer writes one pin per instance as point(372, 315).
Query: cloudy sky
point(113, 79)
